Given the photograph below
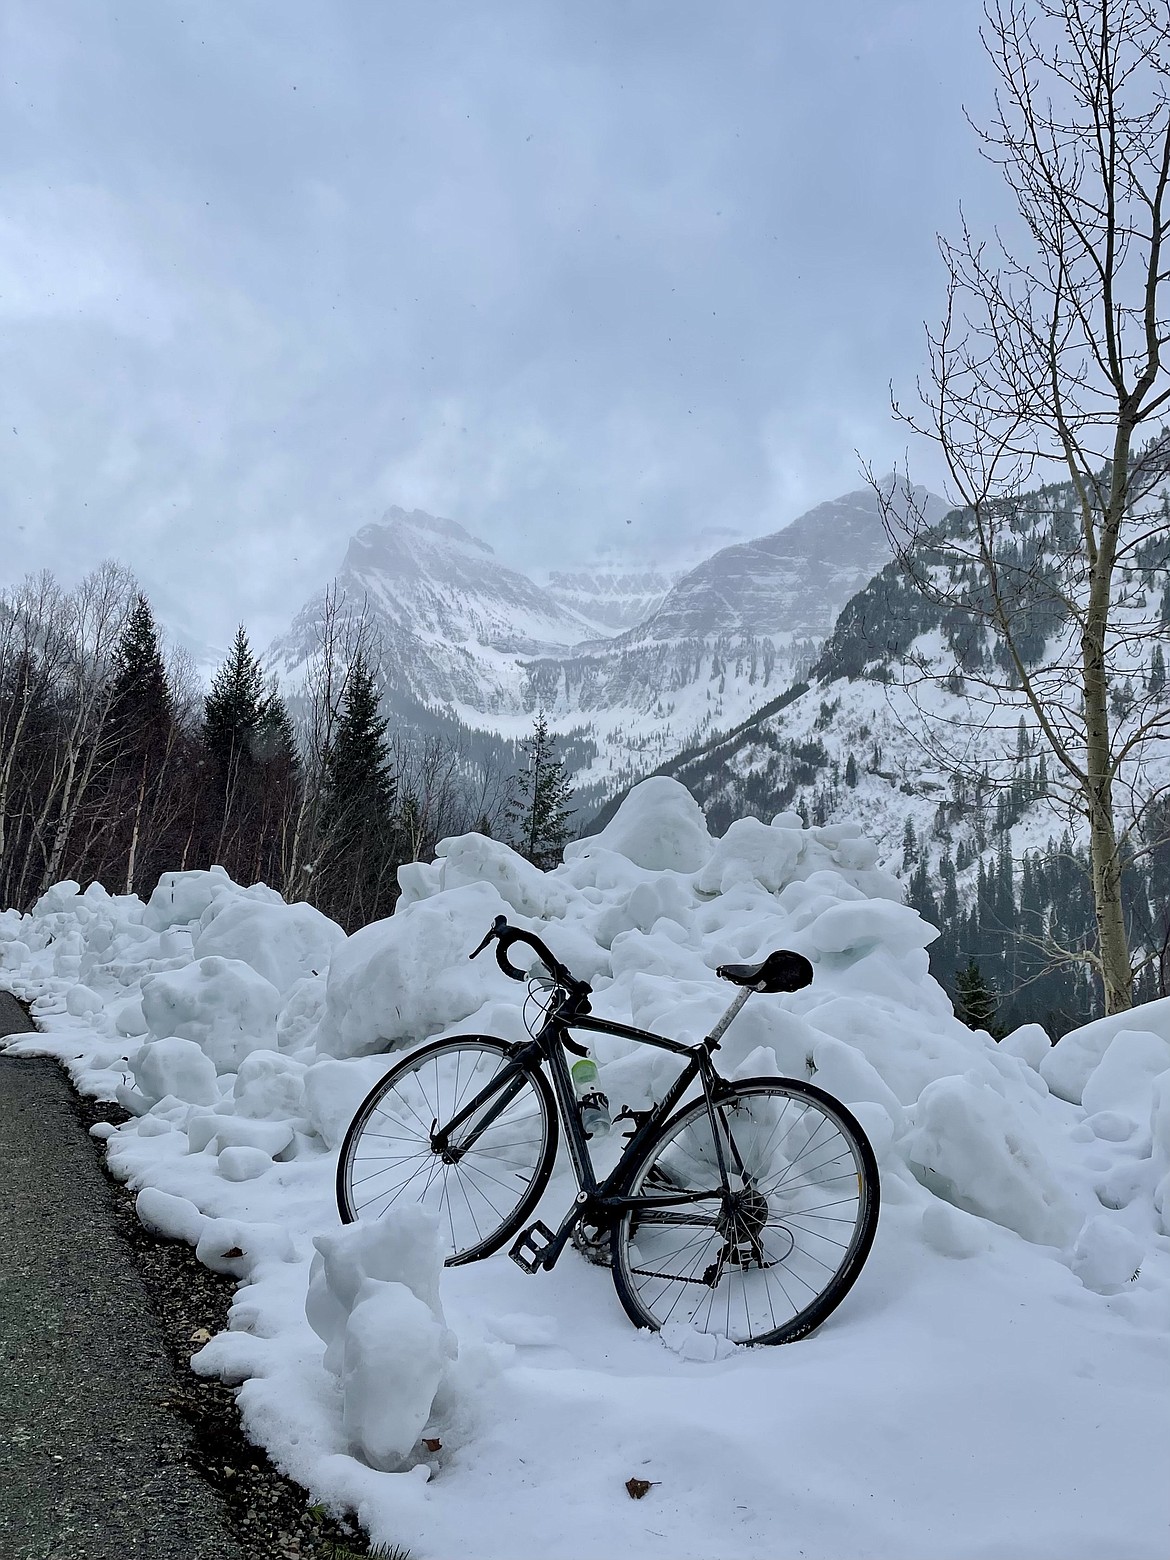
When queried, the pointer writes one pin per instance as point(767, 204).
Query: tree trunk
point(129, 889)
point(1104, 857)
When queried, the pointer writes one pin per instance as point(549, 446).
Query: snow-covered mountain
point(791, 583)
point(611, 595)
point(635, 662)
point(728, 637)
point(454, 625)
point(910, 724)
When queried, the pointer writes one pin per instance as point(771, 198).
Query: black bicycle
point(746, 1211)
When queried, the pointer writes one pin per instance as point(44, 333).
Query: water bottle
point(593, 1105)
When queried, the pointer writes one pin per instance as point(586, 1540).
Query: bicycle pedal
point(529, 1247)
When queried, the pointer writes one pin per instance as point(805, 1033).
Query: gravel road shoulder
point(109, 1445)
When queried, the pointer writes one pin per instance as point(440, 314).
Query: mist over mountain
point(631, 663)
point(793, 582)
point(451, 622)
point(612, 597)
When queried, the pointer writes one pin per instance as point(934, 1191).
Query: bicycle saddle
point(780, 971)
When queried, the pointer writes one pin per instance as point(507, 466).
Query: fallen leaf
point(433, 1444)
point(201, 1335)
point(233, 1251)
point(636, 1488)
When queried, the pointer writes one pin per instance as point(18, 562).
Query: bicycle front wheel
point(483, 1183)
point(768, 1257)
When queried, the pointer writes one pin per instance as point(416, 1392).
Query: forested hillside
point(912, 725)
point(116, 765)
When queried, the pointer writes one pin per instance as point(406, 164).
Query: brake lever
point(494, 931)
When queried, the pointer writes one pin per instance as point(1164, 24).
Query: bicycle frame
point(602, 1200)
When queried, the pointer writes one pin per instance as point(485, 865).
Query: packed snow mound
point(284, 943)
point(1074, 1057)
point(658, 826)
point(973, 1149)
point(243, 1033)
point(224, 1005)
point(184, 897)
point(407, 977)
point(783, 852)
point(374, 1300)
point(474, 858)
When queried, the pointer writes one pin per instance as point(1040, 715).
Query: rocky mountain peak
point(793, 581)
point(411, 533)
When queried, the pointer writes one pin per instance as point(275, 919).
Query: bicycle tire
point(801, 1247)
point(435, 1082)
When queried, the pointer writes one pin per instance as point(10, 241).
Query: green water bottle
point(593, 1105)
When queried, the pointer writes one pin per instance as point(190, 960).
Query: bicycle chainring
point(593, 1243)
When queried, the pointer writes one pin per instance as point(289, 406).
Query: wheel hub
point(742, 1226)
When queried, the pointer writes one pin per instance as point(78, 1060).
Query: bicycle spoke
point(495, 1164)
point(750, 1263)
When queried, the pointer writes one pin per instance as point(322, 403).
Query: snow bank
point(224, 1005)
point(1026, 1199)
point(408, 977)
point(1074, 1057)
point(659, 826)
point(284, 943)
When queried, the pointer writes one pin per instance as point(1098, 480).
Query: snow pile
point(374, 1300)
point(1017, 1289)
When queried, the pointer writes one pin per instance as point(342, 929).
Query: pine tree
point(851, 771)
point(357, 833)
point(142, 731)
point(909, 846)
point(233, 707)
point(539, 809)
point(975, 1001)
point(273, 742)
point(142, 710)
point(1156, 681)
point(278, 779)
point(235, 803)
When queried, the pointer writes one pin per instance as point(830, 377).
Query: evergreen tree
point(144, 801)
point(1157, 678)
point(909, 846)
point(539, 809)
point(278, 780)
point(357, 833)
point(233, 707)
point(851, 771)
point(273, 742)
point(142, 710)
point(975, 1000)
point(242, 727)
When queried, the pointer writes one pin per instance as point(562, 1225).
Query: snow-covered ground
point(995, 1385)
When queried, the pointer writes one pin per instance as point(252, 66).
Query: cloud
point(580, 277)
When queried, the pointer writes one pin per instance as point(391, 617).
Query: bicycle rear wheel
point(767, 1261)
point(498, 1162)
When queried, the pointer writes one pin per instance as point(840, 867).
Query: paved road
point(92, 1465)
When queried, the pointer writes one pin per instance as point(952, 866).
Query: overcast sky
point(581, 275)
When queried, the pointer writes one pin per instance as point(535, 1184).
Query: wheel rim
point(478, 1189)
point(759, 1263)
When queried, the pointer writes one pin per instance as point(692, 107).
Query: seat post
point(737, 1002)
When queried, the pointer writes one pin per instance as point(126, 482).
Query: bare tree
point(344, 633)
point(93, 618)
point(444, 790)
point(1049, 364)
point(32, 649)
